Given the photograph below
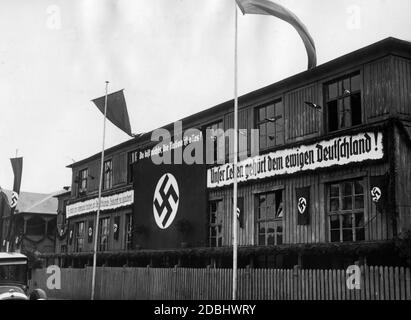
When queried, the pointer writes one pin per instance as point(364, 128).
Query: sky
point(174, 58)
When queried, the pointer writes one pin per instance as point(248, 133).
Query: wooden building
point(34, 226)
point(337, 139)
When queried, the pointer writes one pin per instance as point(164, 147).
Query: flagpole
point(93, 281)
point(235, 231)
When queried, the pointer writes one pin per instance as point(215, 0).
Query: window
point(108, 175)
point(215, 132)
point(215, 223)
point(344, 103)
point(346, 211)
point(132, 158)
point(269, 217)
point(79, 244)
point(63, 248)
point(270, 123)
point(129, 231)
point(82, 184)
point(104, 232)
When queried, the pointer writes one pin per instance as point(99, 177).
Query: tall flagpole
point(93, 281)
point(235, 231)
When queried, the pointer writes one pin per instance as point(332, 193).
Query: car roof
point(12, 255)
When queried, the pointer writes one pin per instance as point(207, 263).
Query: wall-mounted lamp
point(314, 106)
point(272, 120)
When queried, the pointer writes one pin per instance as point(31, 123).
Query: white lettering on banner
point(327, 153)
point(107, 203)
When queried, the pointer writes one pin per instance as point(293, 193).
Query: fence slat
point(377, 283)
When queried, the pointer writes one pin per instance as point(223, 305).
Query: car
point(14, 275)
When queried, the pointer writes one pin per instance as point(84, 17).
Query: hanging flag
point(90, 231)
point(4, 209)
point(17, 164)
point(240, 212)
point(116, 227)
point(303, 206)
point(270, 8)
point(379, 192)
point(116, 110)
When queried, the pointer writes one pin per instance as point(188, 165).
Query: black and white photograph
point(222, 152)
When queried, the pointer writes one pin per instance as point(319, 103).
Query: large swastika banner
point(170, 205)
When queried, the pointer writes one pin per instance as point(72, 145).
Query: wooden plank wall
point(377, 283)
point(377, 89)
point(401, 85)
point(379, 225)
point(403, 183)
point(301, 120)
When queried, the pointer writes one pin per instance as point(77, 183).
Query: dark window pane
point(355, 83)
point(212, 242)
point(359, 188)
point(213, 206)
point(360, 234)
point(356, 109)
point(359, 202)
point(335, 190)
point(271, 240)
point(332, 91)
point(334, 222)
point(347, 221)
point(335, 235)
point(332, 116)
point(334, 204)
point(347, 235)
point(279, 239)
point(220, 242)
point(347, 189)
point(279, 229)
point(359, 220)
point(347, 203)
point(261, 240)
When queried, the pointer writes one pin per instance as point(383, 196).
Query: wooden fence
point(377, 283)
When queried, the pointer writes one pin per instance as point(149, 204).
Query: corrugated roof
point(30, 202)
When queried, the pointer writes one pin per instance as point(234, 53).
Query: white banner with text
point(324, 154)
point(107, 203)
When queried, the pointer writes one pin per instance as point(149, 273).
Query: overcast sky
point(172, 57)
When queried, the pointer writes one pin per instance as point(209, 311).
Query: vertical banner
point(303, 205)
point(116, 227)
point(71, 234)
point(90, 231)
point(379, 192)
point(17, 164)
point(240, 212)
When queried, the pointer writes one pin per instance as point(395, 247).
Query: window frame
point(128, 234)
point(107, 176)
point(79, 237)
point(106, 234)
point(341, 213)
point(134, 154)
point(83, 178)
point(279, 125)
point(217, 225)
point(325, 88)
point(276, 220)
